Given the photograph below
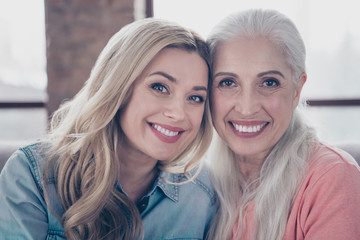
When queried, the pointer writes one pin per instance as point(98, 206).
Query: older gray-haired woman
point(274, 179)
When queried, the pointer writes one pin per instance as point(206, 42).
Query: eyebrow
point(225, 74)
point(259, 75)
point(200, 88)
point(271, 72)
point(172, 79)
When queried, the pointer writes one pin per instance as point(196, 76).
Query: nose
point(175, 110)
point(247, 103)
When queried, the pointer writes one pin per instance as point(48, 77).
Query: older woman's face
point(253, 95)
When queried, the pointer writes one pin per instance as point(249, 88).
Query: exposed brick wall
point(76, 32)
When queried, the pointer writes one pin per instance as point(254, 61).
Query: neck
point(249, 166)
point(137, 172)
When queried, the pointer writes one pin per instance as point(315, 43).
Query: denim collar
point(164, 181)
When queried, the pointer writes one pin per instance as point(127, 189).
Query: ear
point(298, 89)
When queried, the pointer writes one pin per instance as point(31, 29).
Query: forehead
point(179, 64)
point(256, 52)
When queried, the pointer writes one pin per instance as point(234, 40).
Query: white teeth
point(165, 131)
point(248, 129)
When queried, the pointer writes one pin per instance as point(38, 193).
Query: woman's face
point(253, 95)
point(166, 107)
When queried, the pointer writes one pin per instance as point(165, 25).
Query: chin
point(163, 157)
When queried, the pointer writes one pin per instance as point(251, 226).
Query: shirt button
point(142, 207)
point(143, 204)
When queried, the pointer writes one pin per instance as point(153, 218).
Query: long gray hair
point(283, 169)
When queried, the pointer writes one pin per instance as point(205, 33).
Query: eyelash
point(162, 89)
point(226, 83)
point(157, 86)
point(273, 83)
point(200, 99)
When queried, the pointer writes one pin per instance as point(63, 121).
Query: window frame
point(344, 102)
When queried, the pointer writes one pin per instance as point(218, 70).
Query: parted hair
point(283, 170)
point(85, 132)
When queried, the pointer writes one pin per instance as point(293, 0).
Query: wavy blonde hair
point(282, 172)
point(85, 132)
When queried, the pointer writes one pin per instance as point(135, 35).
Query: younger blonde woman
point(118, 157)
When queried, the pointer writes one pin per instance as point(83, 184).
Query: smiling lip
point(248, 129)
point(166, 133)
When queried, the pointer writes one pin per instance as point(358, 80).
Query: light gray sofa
point(8, 147)
point(351, 147)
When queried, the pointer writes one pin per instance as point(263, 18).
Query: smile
point(164, 131)
point(248, 129)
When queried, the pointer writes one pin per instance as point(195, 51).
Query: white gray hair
point(283, 169)
point(273, 25)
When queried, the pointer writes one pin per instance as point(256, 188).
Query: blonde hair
point(85, 132)
point(281, 174)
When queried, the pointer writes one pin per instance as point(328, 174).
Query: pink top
point(328, 204)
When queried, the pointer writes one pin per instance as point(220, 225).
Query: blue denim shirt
point(168, 211)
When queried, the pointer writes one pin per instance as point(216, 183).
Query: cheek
point(145, 103)
point(219, 106)
point(137, 110)
point(279, 108)
point(196, 116)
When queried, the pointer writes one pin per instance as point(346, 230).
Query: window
point(22, 70)
point(332, 38)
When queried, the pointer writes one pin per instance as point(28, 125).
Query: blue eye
point(197, 99)
point(271, 82)
point(159, 87)
point(226, 83)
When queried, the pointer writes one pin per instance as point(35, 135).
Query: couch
point(8, 147)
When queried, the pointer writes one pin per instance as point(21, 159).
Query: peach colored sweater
point(327, 206)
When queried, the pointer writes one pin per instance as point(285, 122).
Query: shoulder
point(203, 182)
point(179, 185)
point(24, 211)
point(35, 157)
point(189, 203)
point(329, 196)
point(331, 169)
point(25, 163)
point(326, 158)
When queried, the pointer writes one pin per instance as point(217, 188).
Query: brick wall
point(76, 32)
